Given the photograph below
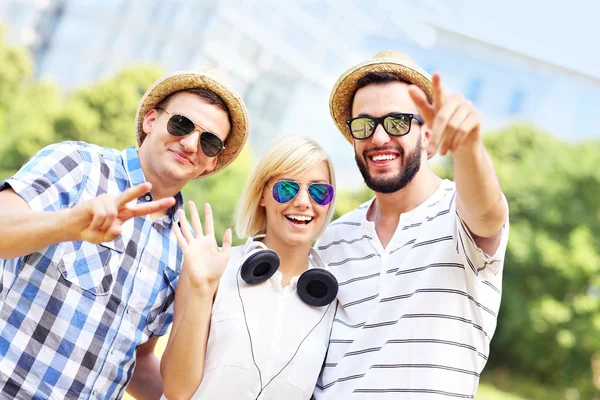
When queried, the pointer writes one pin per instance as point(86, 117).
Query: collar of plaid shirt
point(131, 162)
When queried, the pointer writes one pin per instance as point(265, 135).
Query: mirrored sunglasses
point(396, 124)
point(320, 193)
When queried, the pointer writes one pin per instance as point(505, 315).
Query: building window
point(299, 38)
point(516, 102)
point(269, 96)
point(263, 13)
point(221, 30)
point(474, 90)
point(249, 50)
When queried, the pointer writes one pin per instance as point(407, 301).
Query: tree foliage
point(27, 108)
point(549, 323)
point(15, 70)
point(104, 113)
point(222, 191)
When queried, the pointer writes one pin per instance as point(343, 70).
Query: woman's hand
point(203, 259)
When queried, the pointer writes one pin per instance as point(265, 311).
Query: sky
point(562, 32)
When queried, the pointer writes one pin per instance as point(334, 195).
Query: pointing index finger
point(420, 99)
point(439, 95)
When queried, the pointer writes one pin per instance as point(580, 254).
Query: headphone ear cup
point(317, 287)
point(259, 266)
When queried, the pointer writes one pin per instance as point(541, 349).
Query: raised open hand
point(453, 120)
point(203, 259)
point(101, 219)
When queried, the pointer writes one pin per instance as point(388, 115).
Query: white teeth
point(382, 157)
point(299, 217)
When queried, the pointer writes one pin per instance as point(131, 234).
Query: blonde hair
point(288, 155)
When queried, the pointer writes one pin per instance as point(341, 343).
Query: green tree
point(29, 123)
point(104, 113)
point(27, 108)
point(222, 190)
point(16, 68)
point(549, 322)
point(348, 200)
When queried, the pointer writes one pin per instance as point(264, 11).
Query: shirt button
point(113, 351)
point(148, 197)
point(128, 310)
point(95, 393)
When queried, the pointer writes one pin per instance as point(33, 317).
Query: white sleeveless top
point(278, 321)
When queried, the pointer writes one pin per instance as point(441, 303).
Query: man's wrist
point(68, 228)
point(473, 151)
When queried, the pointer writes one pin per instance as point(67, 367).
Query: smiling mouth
point(181, 157)
point(383, 157)
point(299, 219)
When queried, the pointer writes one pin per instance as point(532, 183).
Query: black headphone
point(316, 286)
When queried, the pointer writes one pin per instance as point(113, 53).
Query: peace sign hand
point(203, 259)
point(453, 120)
point(101, 219)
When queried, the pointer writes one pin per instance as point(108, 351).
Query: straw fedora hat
point(213, 81)
point(342, 94)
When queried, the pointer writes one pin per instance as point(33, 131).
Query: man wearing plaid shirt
point(88, 259)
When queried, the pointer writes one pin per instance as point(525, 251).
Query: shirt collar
point(133, 167)
point(445, 186)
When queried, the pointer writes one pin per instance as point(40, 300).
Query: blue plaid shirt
point(73, 314)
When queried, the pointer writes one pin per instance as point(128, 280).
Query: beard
point(411, 163)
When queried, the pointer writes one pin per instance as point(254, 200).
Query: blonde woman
point(253, 321)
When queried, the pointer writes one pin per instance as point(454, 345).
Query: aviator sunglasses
point(180, 125)
point(320, 193)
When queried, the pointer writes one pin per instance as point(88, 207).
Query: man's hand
point(456, 126)
point(453, 120)
point(101, 219)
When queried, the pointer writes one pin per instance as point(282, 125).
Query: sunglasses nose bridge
point(191, 141)
point(302, 199)
point(380, 135)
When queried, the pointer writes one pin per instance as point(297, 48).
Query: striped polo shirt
point(415, 319)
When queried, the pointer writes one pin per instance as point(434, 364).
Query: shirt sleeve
point(52, 179)
point(477, 261)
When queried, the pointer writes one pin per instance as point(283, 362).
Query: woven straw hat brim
point(201, 79)
point(342, 94)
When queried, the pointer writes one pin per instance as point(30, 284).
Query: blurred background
point(75, 70)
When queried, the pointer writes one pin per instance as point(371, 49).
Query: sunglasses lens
point(321, 193)
point(284, 191)
point(362, 128)
point(397, 125)
point(179, 125)
point(211, 144)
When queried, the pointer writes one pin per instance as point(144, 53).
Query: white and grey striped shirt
point(415, 319)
